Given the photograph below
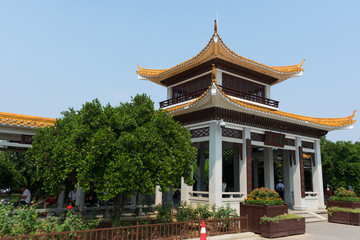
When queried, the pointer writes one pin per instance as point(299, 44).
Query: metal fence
point(176, 230)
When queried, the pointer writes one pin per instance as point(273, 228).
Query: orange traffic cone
point(203, 231)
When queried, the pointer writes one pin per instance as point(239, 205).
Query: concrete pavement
point(325, 231)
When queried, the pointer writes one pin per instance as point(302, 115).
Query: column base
point(321, 207)
point(300, 208)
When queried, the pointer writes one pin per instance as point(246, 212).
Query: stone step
point(312, 216)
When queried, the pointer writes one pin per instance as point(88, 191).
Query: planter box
point(283, 228)
point(255, 212)
point(343, 204)
point(355, 219)
point(339, 217)
point(273, 230)
point(297, 226)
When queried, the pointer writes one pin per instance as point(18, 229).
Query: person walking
point(280, 187)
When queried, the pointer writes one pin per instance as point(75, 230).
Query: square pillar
point(185, 191)
point(60, 200)
point(80, 199)
point(317, 178)
point(158, 196)
point(215, 164)
point(287, 178)
point(296, 176)
point(218, 75)
point(169, 93)
point(269, 168)
point(243, 163)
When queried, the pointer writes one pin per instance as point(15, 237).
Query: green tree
point(10, 177)
point(16, 170)
point(114, 151)
point(341, 164)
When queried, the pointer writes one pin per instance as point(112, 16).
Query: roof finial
point(213, 73)
point(302, 62)
point(215, 27)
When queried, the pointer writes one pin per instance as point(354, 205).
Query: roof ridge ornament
point(302, 62)
point(215, 27)
point(213, 74)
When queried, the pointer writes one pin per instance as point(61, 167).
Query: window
point(192, 86)
point(242, 85)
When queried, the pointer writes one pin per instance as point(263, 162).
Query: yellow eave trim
point(25, 120)
point(156, 73)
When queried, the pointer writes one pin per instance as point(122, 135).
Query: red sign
point(274, 139)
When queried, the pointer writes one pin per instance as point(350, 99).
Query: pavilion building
point(244, 141)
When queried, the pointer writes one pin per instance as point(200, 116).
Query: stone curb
point(229, 236)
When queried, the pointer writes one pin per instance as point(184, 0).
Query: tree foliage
point(114, 151)
point(16, 170)
point(341, 164)
point(10, 176)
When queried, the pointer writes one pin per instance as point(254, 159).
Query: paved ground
point(325, 230)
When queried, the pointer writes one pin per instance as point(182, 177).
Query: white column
point(158, 196)
point(287, 178)
point(243, 165)
point(269, 168)
point(267, 92)
point(215, 165)
point(218, 75)
point(184, 191)
point(80, 199)
point(317, 178)
point(256, 173)
point(296, 178)
point(169, 93)
point(60, 201)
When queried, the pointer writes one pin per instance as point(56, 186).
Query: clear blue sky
point(60, 54)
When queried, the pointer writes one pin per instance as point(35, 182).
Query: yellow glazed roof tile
point(156, 73)
point(25, 120)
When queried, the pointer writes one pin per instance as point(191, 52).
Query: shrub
point(24, 220)
point(185, 212)
point(279, 217)
point(18, 221)
point(224, 212)
point(202, 212)
point(69, 222)
point(264, 196)
point(343, 195)
point(164, 213)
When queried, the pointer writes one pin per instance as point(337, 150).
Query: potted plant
point(339, 215)
point(282, 225)
point(344, 198)
point(355, 216)
point(261, 202)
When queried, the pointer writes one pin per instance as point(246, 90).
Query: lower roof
point(13, 119)
point(327, 124)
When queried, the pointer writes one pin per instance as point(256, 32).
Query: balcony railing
point(182, 98)
point(229, 91)
point(250, 97)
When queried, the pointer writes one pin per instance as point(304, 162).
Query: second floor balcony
point(228, 91)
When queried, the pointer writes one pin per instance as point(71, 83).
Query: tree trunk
point(118, 205)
